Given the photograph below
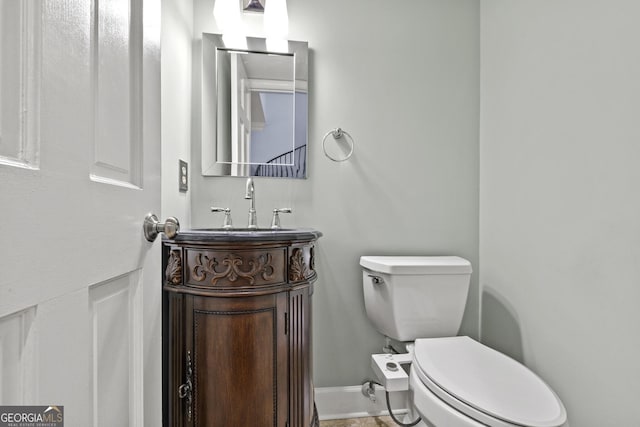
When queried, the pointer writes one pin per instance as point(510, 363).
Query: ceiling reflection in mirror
point(254, 109)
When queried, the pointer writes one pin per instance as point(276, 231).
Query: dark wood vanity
point(237, 328)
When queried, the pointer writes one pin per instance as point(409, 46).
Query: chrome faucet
point(251, 195)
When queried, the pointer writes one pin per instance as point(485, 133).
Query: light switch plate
point(183, 176)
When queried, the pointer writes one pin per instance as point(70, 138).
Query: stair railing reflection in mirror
point(292, 164)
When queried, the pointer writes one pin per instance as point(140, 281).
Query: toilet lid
point(486, 384)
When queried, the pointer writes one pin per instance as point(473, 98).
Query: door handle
point(152, 227)
point(185, 391)
point(376, 280)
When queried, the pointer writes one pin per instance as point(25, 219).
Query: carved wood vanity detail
point(237, 328)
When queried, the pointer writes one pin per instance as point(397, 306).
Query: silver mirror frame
point(211, 43)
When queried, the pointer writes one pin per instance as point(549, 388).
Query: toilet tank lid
point(416, 264)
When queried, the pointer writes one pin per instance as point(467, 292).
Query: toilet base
point(413, 415)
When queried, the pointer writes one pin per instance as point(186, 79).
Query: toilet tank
point(410, 297)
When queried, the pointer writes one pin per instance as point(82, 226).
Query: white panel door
point(80, 296)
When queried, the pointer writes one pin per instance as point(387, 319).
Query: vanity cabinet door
point(239, 355)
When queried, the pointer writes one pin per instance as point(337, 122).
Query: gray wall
point(403, 80)
point(176, 60)
point(560, 205)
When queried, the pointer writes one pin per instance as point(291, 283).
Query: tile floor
point(360, 422)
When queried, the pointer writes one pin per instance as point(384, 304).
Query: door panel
point(17, 361)
point(116, 51)
point(20, 41)
point(115, 308)
point(78, 281)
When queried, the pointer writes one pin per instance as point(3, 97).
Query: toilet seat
point(485, 384)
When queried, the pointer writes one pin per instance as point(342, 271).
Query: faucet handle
point(275, 221)
point(227, 224)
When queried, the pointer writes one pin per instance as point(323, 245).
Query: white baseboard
point(336, 403)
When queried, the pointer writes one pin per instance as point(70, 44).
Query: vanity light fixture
point(254, 6)
point(231, 25)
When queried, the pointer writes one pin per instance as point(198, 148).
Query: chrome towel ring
point(338, 133)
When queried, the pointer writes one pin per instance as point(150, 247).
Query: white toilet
point(454, 381)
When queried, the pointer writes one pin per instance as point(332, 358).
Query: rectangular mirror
point(254, 109)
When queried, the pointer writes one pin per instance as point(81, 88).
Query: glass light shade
point(230, 24)
point(227, 16)
point(276, 19)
